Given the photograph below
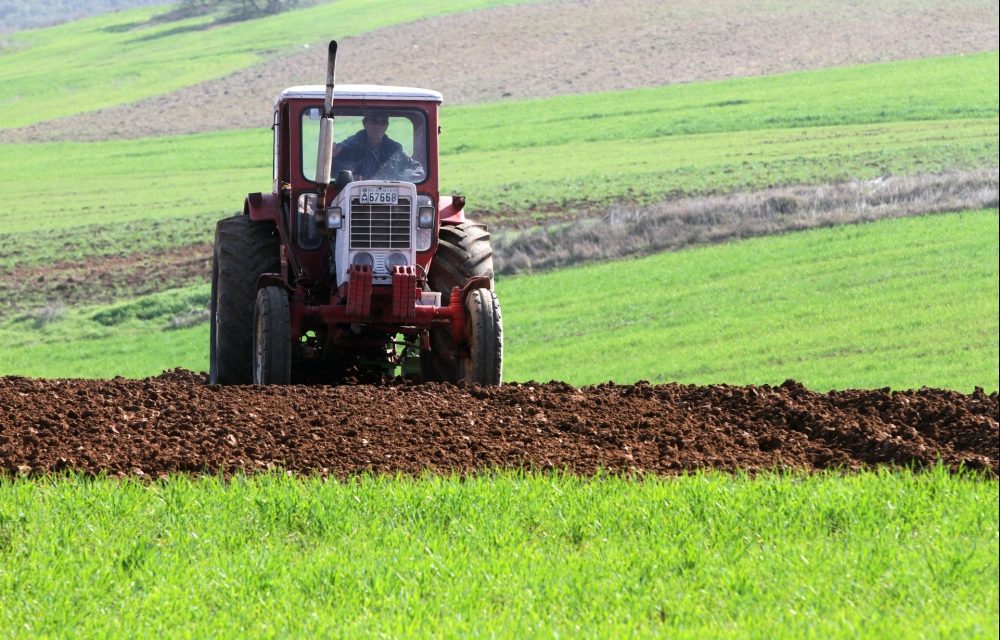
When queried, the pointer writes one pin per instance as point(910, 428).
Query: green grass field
point(872, 555)
point(138, 58)
point(899, 303)
point(761, 132)
point(207, 177)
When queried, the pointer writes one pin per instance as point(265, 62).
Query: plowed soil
point(178, 423)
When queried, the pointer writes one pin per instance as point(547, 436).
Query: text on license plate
point(379, 195)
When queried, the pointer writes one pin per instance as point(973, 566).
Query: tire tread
point(243, 251)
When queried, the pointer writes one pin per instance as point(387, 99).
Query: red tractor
point(367, 272)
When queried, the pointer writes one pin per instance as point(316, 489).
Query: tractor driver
point(370, 153)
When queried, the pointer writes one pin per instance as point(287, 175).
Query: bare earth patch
point(176, 423)
point(103, 279)
point(560, 47)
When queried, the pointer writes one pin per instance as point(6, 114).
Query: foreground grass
point(899, 303)
point(511, 555)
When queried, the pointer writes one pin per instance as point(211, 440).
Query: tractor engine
point(379, 225)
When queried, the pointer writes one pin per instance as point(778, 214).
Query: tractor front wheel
point(272, 337)
point(484, 329)
point(463, 253)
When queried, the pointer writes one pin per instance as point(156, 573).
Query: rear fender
point(451, 209)
point(261, 207)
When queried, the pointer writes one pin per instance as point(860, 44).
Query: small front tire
point(463, 253)
point(484, 327)
point(272, 337)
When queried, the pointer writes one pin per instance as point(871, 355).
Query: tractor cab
point(385, 144)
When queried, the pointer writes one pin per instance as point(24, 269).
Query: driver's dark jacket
point(357, 156)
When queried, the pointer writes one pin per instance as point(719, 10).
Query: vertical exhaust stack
point(324, 160)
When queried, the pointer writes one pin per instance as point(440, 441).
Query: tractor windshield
point(373, 143)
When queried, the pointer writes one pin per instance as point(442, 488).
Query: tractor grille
point(380, 226)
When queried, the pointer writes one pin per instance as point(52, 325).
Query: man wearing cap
point(370, 153)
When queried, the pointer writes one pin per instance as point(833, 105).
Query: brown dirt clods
point(176, 423)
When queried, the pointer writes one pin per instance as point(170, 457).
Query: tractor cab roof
point(360, 92)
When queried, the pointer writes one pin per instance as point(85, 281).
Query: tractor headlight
point(395, 259)
point(425, 218)
point(425, 223)
point(363, 259)
point(334, 218)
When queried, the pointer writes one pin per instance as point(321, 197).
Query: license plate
point(379, 195)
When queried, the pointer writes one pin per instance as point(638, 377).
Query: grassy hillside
point(639, 146)
point(902, 303)
point(946, 88)
point(122, 57)
point(19, 15)
point(93, 184)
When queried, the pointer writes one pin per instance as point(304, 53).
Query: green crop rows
point(120, 197)
point(947, 88)
point(637, 145)
point(900, 303)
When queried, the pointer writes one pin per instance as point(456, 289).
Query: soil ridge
point(176, 423)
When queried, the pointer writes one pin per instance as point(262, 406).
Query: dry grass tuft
point(630, 231)
point(51, 312)
point(189, 318)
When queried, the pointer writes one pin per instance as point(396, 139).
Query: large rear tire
point(464, 252)
point(272, 337)
point(243, 251)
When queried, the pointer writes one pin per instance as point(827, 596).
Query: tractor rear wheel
point(272, 337)
point(485, 330)
point(464, 252)
point(243, 251)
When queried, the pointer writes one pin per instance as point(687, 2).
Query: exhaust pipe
point(324, 160)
